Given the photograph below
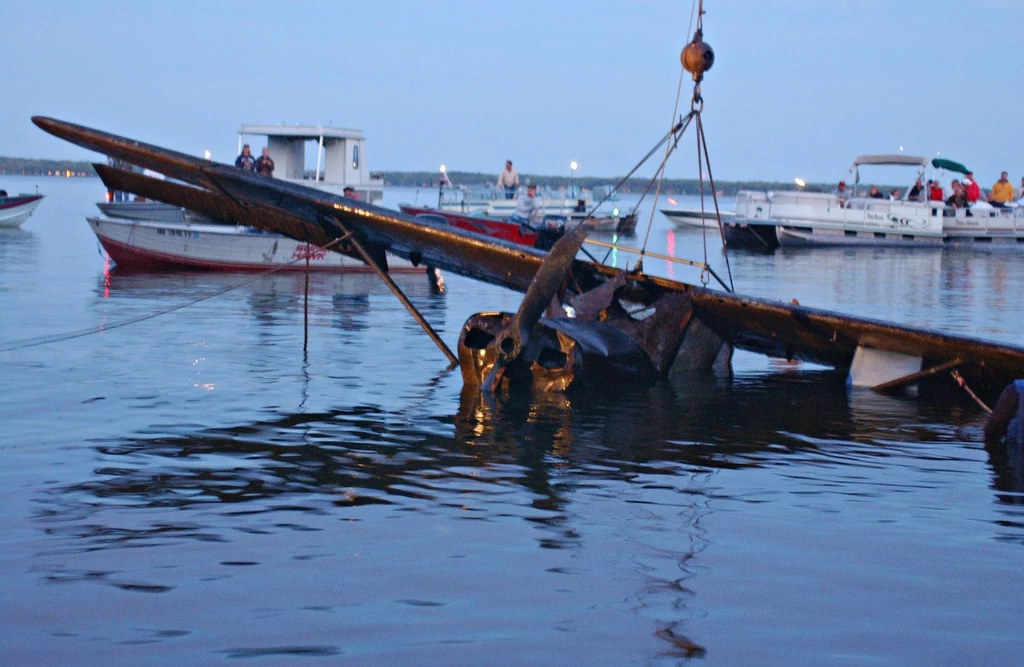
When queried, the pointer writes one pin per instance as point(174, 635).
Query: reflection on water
point(557, 464)
point(203, 484)
point(18, 252)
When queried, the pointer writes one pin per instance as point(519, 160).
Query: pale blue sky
point(799, 87)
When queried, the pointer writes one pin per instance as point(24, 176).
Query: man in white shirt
point(528, 209)
point(508, 180)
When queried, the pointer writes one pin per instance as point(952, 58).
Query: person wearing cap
point(971, 189)
point(246, 161)
point(841, 193)
point(528, 209)
point(1002, 191)
point(508, 180)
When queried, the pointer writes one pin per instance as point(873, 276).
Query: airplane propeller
point(508, 344)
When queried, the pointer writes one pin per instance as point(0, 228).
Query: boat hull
point(814, 219)
point(806, 236)
point(16, 210)
point(155, 244)
point(694, 217)
point(153, 211)
point(501, 209)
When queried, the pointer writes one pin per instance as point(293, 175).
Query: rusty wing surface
point(219, 207)
point(612, 295)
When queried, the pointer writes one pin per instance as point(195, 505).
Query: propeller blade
point(508, 345)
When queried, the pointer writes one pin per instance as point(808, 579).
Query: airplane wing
point(759, 325)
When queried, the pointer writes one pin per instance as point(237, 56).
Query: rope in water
point(58, 338)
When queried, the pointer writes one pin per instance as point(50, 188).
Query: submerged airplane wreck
point(580, 321)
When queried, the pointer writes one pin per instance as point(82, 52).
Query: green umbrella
point(949, 165)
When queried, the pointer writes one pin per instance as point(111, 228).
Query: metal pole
point(305, 305)
point(397, 291)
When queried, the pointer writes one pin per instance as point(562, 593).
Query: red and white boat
point(14, 210)
point(496, 227)
point(154, 235)
point(157, 244)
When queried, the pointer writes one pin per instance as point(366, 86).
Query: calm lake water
point(192, 488)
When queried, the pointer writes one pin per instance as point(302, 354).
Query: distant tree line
point(30, 167)
point(429, 179)
point(671, 186)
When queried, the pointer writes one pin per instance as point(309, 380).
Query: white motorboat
point(15, 209)
point(817, 219)
point(150, 234)
point(155, 244)
point(685, 217)
point(572, 203)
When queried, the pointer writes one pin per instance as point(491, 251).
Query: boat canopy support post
point(319, 157)
point(397, 291)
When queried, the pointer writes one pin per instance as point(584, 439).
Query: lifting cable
point(697, 57)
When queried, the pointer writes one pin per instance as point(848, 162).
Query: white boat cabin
point(340, 157)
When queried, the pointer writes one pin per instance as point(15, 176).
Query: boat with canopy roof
point(800, 218)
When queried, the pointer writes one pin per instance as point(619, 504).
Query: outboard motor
point(551, 228)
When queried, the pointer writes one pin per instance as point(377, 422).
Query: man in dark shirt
point(916, 191)
point(875, 193)
point(246, 161)
point(264, 165)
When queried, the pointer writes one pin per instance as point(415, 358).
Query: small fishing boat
point(16, 209)
point(148, 210)
point(496, 227)
point(572, 204)
point(685, 217)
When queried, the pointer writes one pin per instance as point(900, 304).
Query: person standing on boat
point(971, 189)
point(1002, 191)
point(265, 165)
point(508, 180)
point(246, 161)
point(841, 193)
point(528, 209)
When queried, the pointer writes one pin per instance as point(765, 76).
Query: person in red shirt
point(934, 191)
point(971, 189)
